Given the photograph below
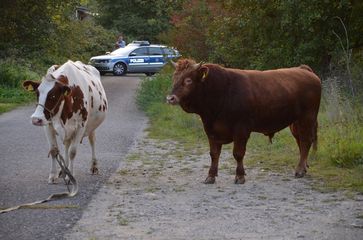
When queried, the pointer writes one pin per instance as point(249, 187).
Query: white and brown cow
point(71, 104)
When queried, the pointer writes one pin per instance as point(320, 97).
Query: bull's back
point(274, 99)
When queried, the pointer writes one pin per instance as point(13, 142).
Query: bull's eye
point(52, 97)
point(188, 81)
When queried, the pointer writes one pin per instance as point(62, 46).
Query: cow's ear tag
point(30, 88)
point(204, 75)
point(66, 93)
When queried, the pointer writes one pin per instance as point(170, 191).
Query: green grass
point(11, 98)
point(338, 164)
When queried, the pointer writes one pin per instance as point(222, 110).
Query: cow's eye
point(188, 81)
point(52, 97)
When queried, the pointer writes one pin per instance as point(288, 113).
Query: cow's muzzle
point(172, 99)
point(38, 121)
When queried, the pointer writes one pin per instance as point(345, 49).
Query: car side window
point(155, 51)
point(139, 52)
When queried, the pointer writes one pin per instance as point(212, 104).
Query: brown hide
point(233, 103)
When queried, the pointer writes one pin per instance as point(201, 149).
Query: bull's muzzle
point(172, 99)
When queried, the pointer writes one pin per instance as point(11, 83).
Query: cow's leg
point(53, 152)
point(215, 152)
point(239, 150)
point(73, 149)
point(92, 140)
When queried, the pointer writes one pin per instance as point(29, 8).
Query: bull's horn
point(173, 63)
point(197, 65)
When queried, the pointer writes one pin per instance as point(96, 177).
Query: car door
point(157, 59)
point(139, 60)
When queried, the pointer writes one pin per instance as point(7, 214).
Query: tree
point(138, 19)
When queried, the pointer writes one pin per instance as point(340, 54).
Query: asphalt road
point(24, 165)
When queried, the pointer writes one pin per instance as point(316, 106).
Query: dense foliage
point(138, 19)
point(37, 34)
point(271, 34)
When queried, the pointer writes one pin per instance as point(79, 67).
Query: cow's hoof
point(210, 180)
point(94, 170)
point(51, 179)
point(239, 180)
point(67, 181)
point(300, 174)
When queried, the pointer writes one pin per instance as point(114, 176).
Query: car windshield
point(121, 51)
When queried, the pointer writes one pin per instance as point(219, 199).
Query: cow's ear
point(203, 70)
point(66, 90)
point(30, 86)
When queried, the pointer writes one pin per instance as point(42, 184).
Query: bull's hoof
point(239, 180)
point(210, 180)
point(94, 170)
point(300, 174)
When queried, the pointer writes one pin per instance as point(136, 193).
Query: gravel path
point(158, 193)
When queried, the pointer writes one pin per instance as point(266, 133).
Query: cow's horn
point(173, 63)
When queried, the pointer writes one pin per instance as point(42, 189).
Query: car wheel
point(149, 74)
point(119, 69)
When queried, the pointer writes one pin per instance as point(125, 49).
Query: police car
point(136, 57)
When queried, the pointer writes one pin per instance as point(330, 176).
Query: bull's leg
point(306, 136)
point(294, 131)
point(92, 140)
point(301, 168)
point(239, 150)
point(53, 151)
point(215, 152)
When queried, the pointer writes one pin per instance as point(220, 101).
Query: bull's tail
point(315, 137)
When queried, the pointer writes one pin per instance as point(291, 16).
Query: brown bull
point(233, 103)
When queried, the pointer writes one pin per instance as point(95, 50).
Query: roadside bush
point(11, 75)
point(154, 89)
point(11, 92)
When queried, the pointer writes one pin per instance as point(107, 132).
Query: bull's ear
point(30, 86)
point(66, 90)
point(203, 70)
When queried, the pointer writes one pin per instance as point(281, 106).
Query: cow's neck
point(67, 109)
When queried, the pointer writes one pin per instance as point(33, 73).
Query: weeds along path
point(158, 193)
